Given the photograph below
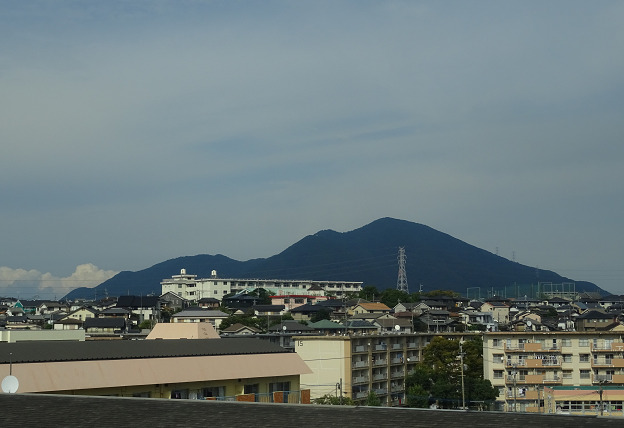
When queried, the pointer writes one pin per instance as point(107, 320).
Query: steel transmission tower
point(402, 278)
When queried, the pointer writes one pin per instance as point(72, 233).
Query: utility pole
point(600, 391)
point(461, 361)
point(515, 390)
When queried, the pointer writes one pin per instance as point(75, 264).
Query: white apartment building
point(192, 288)
point(533, 370)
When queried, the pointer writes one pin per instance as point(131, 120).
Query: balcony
point(361, 348)
point(360, 379)
point(609, 347)
point(396, 346)
point(395, 375)
point(608, 362)
point(541, 362)
point(532, 347)
point(380, 376)
point(381, 347)
point(526, 395)
point(380, 362)
point(396, 388)
point(396, 360)
point(535, 379)
point(360, 364)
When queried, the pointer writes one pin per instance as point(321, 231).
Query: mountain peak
point(367, 254)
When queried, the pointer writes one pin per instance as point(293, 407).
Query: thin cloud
point(32, 284)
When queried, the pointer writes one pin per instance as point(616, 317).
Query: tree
point(438, 375)
point(146, 324)
point(417, 396)
point(333, 400)
point(245, 319)
point(264, 297)
point(372, 399)
point(369, 293)
point(323, 314)
point(434, 293)
point(391, 296)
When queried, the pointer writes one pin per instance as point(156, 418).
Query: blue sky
point(137, 131)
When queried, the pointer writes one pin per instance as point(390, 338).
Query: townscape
point(324, 342)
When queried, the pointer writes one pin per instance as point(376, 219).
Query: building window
point(567, 358)
point(279, 386)
point(567, 374)
point(253, 388)
point(496, 343)
point(498, 358)
point(584, 358)
point(566, 342)
point(498, 374)
point(214, 391)
point(583, 342)
point(584, 374)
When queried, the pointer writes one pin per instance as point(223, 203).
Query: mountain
point(434, 260)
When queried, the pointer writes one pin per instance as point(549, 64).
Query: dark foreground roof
point(80, 411)
point(42, 351)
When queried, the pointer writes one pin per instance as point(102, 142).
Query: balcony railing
point(607, 347)
point(532, 347)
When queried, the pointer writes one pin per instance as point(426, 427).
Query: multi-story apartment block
point(192, 288)
point(358, 364)
point(523, 364)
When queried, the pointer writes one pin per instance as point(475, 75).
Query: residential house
point(594, 320)
point(405, 307)
point(392, 325)
point(172, 300)
point(141, 307)
point(268, 310)
point(239, 329)
point(307, 311)
point(105, 326)
point(499, 311)
point(479, 320)
point(197, 314)
point(209, 303)
point(327, 327)
point(292, 301)
point(371, 308)
point(81, 314)
point(50, 306)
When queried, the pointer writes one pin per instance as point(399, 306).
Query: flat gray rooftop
point(81, 411)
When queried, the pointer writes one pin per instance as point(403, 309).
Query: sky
point(133, 132)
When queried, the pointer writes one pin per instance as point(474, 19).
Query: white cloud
point(30, 284)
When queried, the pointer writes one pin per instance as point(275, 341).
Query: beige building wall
point(30, 335)
point(159, 376)
point(329, 359)
point(522, 364)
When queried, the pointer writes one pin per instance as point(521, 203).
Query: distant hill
point(368, 254)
